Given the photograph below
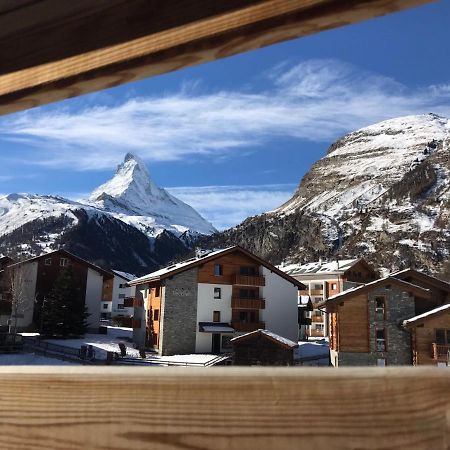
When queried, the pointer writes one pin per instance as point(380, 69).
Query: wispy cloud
point(315, 100)
point(225, 206)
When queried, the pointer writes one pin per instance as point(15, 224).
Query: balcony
point(440, 352)
point(304, 292)
point(245, 280)
point(317, 333)
point(316, 292)
point(317, 319)
point(247, 326)
point(248, 303)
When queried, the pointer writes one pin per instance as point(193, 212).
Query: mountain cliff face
point(382, 192)
point(128, 223)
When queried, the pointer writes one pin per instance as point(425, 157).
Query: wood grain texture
point(56, 49)
point(227, 408)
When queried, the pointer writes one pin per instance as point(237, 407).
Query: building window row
point(63, 262)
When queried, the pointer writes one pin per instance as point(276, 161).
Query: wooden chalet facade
point(198, 305)
point(38, 276)
point(365, 322)
point(324, 279)
point(430, 337)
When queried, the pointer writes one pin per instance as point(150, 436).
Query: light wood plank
point(224, 408)
point(127, 41)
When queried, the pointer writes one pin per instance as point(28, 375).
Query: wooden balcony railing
point(247, 326)
point(304, 292)
point(317, 319)
point(316, 292)
point(248, 303)
point(317, 333)
point(245, 280)
point(440, 352)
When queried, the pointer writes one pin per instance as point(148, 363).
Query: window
point(122, 286)
point(317, 287)
point(317, 313)
point(381, 362)
point(218, 271)
point(105, 306)
point(248, 293)
point(120, 306)
point(121, 295)
point(247, 316)
point(333, 286)
point(248, 271)
point(379, 308)
point(381, 340)
point(443, 337)
point(318, 327)
point(217, 293)
point(156, 314)
point(157, 291)
point(63, 262)
point(48, 261)
point(216, 316)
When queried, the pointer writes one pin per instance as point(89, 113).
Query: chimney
point(337, 262)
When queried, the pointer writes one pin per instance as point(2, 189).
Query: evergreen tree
point(63, 312)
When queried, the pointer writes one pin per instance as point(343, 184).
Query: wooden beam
point(56, 49)
point(223, 408)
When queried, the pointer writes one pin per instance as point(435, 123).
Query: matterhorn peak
point(131, 191)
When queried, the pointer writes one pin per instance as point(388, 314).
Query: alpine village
point(352, 271)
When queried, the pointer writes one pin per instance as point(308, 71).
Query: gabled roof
point(280, 340)
point(124, 275)
point(401, 274)
point(335, 267)
point(194, 262)
point(105, 273)
point(408, 287)
point(417, 320)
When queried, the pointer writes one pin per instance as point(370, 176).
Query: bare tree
point(22, 298)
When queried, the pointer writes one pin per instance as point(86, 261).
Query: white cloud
point(225, 206)
point(316, 100)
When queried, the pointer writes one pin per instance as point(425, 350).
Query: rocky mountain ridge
point(381, 192)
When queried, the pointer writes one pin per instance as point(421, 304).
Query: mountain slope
point(382, 192)
point(129, 223)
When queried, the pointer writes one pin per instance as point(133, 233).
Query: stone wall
point(398, 307)
point(179, 314)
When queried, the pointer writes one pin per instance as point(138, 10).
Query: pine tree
point(63, 312)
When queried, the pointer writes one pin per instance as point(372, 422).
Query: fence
point(224, 408)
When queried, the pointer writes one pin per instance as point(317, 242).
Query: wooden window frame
point(382, 340)
point(218, 270)
point(217, 293)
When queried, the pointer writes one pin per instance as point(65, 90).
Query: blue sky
point(234, 137)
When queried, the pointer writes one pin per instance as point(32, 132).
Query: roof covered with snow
point(426, 315)
point(124, 275)
point(373, 284)
point(322, 267)
point(269, 334)
point(193, 262)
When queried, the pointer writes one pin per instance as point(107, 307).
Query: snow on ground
point(31, 359)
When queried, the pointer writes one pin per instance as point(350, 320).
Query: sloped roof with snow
point(193, 262)
point(272, 336)
point(426, 293)
point(320, 267)
point(126, 276)
point(427, 315)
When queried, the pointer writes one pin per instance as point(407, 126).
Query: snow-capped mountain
point(382, 192)
point(128, 222)
point(133, 197)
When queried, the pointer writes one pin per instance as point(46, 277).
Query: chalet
point(430, 337)
point(263, 348)
point(118, 297)
point(365, 321)
point(198, 305)
point(325, 279)
point(38, 275)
